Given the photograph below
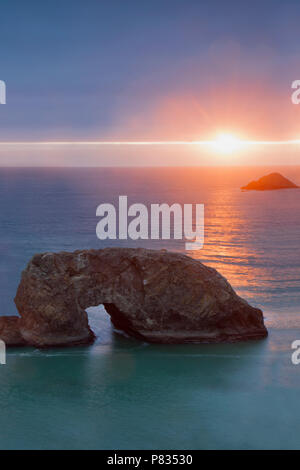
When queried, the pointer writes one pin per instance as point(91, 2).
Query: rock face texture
point(155, 296)
point(269, 182)
point(10, 331)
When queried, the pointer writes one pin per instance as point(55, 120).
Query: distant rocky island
point(152, 295)
point(270, 182)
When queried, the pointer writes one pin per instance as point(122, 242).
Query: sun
point(226, 143)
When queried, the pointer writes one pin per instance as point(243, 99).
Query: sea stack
point(270, 182)
point(155, 296)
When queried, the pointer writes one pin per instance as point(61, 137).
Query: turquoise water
point(121, 393)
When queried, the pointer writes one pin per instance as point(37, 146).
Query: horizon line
point(151, 142)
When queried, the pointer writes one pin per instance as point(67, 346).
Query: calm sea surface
point(124, 394)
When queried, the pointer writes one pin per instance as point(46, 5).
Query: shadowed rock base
point(10, 331)
point(156, 296)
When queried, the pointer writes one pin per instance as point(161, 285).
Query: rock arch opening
point(105, 320)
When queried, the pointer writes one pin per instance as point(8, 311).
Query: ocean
point(121, 393)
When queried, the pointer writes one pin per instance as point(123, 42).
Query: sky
point(147, 70)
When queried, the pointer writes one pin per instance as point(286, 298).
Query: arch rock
point(155, 296)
